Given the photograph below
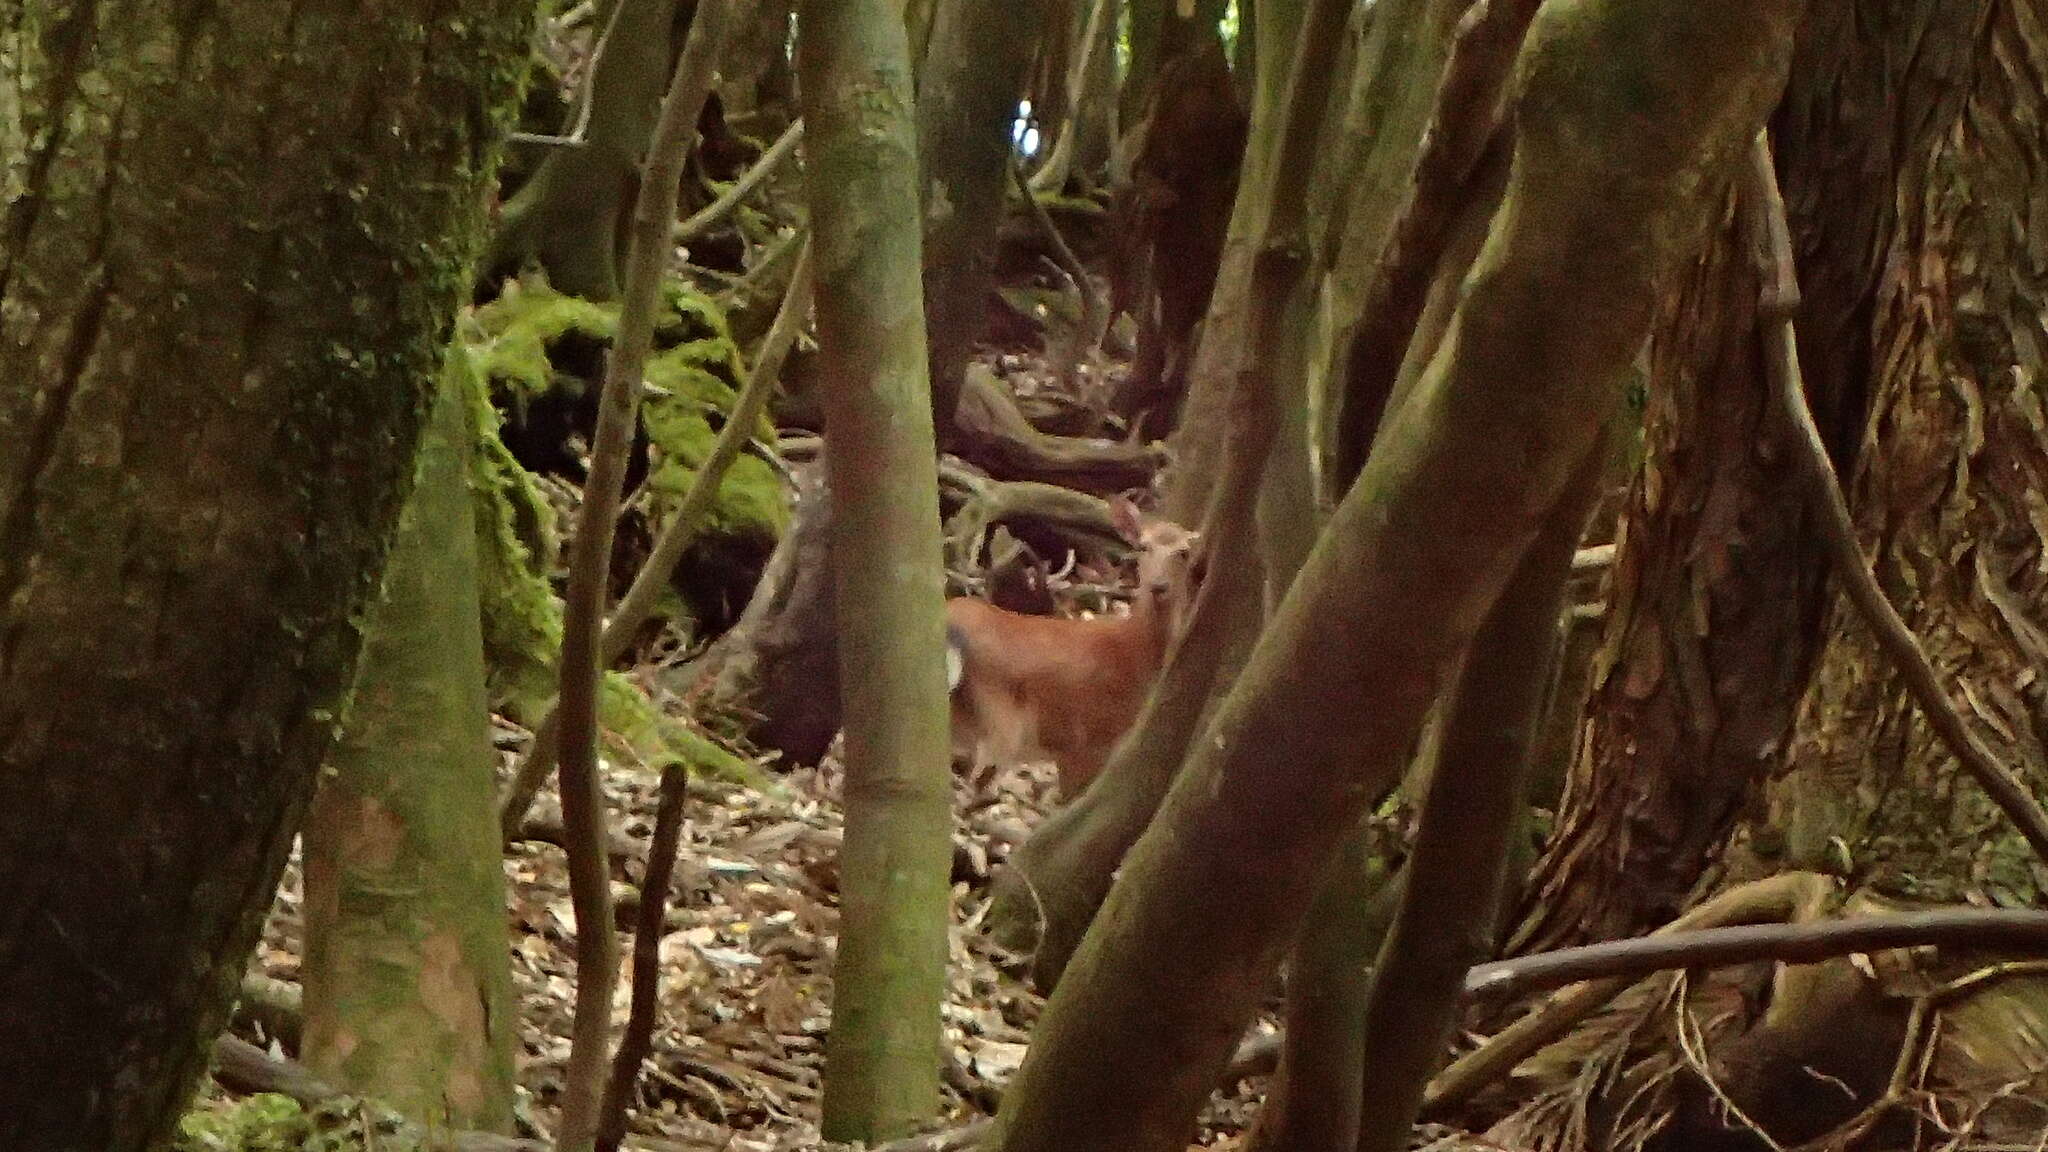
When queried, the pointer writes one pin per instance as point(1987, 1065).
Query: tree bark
point(1951, 469)
point(1626, 110)
point(220, 320)
point(1713, 601)
point(1456, 875)
point(882, 1058)
point(408, 991)
point(1218, 354)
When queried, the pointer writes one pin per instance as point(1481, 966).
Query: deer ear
point(1124, 516)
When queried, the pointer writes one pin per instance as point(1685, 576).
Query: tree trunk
point(1216, 358)
point(755, 78)
point(1095, 118)
point(220, 321)
point(1952, 471)
point(408, 994)
point(570, 218)
point(967, 101)
point(779, 665)
point(1719, 592)
point(1455, 877)
point(1713, 600)
point(1626, 110)
point(882, 1058)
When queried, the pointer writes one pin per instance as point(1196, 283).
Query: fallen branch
point(995, 435)
point(2017, 930)
point(1764, 208)
point(1792, 896)
point(1080, 519)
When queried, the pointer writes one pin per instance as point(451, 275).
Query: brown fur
point(1052, 688)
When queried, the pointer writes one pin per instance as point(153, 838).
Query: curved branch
point(1764, 208)
point(718, 209)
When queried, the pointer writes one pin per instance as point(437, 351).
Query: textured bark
point(882, 1058)
point(1171, 217)
point(232, 246)
point(1627, 110)
point(408, 994)
point(1949, 481)
point(1713, 605)
point(778, 667)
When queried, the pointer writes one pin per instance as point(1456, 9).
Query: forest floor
point(746, 973)
point(738, 1056)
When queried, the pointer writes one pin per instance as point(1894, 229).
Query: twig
point(1741, 944)
point(1464, 124)
point(1764, 208)
point(590, 561)
point(585, 93)
point(648, 919)
point(1094, 309)
point(712, 213)
point(684, 526)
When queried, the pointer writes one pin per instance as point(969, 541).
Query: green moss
point(656, 738)
point(517, 331)
point(511, 350)
point(516, 544)
point(273, 1123)
point(262, 1123)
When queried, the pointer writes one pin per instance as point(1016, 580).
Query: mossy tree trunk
point(220, 321)
point(570, 217)
point(1626, 110)
point(408, 994)
point(882, 1059)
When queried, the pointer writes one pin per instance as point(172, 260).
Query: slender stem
point(647, 924)
point(684, 525)
point(589, 568)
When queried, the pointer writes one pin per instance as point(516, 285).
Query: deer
point(1035, 688)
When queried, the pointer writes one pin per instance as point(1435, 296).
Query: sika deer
point(1029, 688)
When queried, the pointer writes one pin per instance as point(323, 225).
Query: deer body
point(1033, 688)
